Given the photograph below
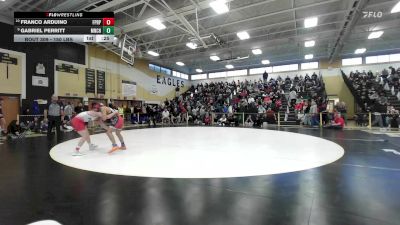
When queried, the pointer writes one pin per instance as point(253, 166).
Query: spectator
point(35, 127)
point(292, 98)
point(392, 70)
point(176, 116)
point(165, 116)
point(54, 114)
point(15, 130)
point(314, 116)
point(152, 113)
point(338, 122)
point(271, 117)
point(44, 125)
point(265, 77)
point(249, 122)
point(222, 120)
point(343, 110)
point(383, 100)
point(67, 118)
point(177, 89)
point(207, 119)
point(392, 117)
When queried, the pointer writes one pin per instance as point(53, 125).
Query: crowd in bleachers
point(375, 92)
point(258, 101)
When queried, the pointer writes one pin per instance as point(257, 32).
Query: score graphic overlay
point(63, 26)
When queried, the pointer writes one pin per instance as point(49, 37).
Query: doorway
point(10, 107)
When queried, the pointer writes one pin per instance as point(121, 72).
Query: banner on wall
point(5, 58)
point(67, 68)
point(101, 82)
point(90, 80)
point(128, 88)
point(40, 81)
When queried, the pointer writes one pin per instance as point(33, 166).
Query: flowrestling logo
point(372, 14)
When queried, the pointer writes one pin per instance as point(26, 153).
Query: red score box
point(108, 21)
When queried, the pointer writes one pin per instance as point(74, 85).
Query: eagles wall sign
point(170, 81)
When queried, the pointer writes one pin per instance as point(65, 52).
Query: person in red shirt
point(338, 122)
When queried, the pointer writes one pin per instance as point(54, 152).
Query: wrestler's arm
point(112, 114)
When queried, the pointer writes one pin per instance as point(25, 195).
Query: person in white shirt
point(314, 114)
point(222, 120)
point(251, 100)
point(249, 122)
point(165, 116)
point(292, 97)
point(261, 109)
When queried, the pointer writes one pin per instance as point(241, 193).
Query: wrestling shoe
point(93, 147)
point(113, 149)
point(77, 153)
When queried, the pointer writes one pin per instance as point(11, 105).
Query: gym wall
point(150, 86)
point(44, 53)
point(11, 77)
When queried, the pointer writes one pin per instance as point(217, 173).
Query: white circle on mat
point(201, 152)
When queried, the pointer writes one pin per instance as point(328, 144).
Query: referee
point(54, 114)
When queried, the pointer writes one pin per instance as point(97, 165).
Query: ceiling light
point(180, 63)
point(243, 35)
point(229, 66)
point(219, 6)
point(309, 56)
point(153, 53)
point(256, 51)
point(214, 58)
point(199, 70)
point(376, 34)
point(311, 22)
point(265, 62)
point(360, 51)
point(308, 44)
point(396, 8)
point(191, 45)
point(157, 24)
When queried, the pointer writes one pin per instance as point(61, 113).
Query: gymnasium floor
point(361, 187)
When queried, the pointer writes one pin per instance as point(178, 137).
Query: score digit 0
point(108, 21)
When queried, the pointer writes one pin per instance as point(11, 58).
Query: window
point(284, 68)
point(383, 58)
point(155, 68)
point(198, 76)
point(236, 73)
point(186, 77)
point(394, 57)
point(160, 69)
point(310, 65)
point(294, 67)
point(260, 70)
point(352, 61)
point(217, 75)
point(181, 75)
point(165, 71)
point(371, 59)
